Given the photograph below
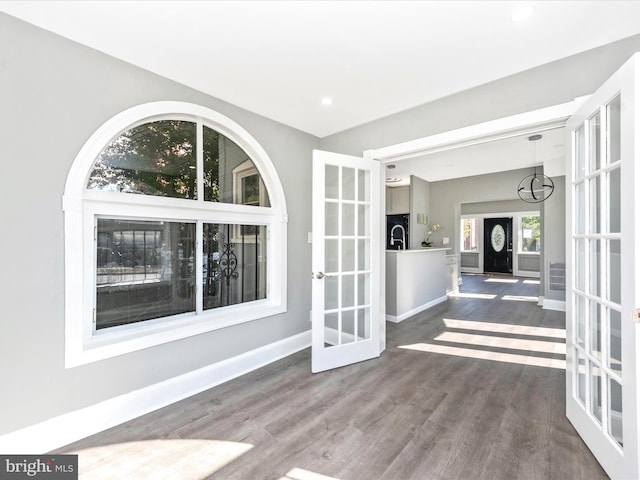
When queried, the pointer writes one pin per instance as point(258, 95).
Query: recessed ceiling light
point(522, 13)
point(326, 101)
point(393, 179)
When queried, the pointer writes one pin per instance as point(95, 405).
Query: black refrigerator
point(398, 232)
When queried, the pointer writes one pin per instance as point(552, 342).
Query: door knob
point(320, 275)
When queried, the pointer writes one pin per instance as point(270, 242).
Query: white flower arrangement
point(427, 236)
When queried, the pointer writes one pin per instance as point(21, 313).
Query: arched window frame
point(85, 344)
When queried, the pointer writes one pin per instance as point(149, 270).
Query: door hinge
point(95, 232)
point(94, 316)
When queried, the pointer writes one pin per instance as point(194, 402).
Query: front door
point(602, 273)
point(346, 261)
point(498, 245)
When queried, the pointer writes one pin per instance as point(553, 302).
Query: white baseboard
point(410, 313)
point(70, 427)
point(559, 305)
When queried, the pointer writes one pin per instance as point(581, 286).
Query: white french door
point(346, 261)
point(602, 273)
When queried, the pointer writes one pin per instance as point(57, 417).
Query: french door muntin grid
point(593, 241)
point(353, 194)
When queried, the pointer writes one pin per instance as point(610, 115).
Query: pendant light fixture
point(535, 188)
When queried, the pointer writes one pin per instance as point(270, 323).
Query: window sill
point(115, 341)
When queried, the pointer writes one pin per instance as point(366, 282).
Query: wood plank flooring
point(428, 408)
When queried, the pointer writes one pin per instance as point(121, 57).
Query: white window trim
point(81, 206)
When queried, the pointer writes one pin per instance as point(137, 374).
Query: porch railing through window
point(234, 264)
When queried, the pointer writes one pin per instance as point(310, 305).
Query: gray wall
point(419, 194)
point(553, 234)
point(550, 84)
point(53, 95)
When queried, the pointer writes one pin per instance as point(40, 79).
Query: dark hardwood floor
point(473, 388)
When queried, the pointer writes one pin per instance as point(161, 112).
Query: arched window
point(175, 224)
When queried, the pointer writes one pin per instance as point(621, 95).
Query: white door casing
point(347, 271)
point(602, 337)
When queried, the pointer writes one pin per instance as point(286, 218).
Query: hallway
point(473, 388)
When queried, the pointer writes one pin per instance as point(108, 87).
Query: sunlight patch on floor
point(503, 342)
point(502, 280)
point(158, 459)
point(302, 474)
point(484, 296)
point(520, 298)
point(488, 355)
point(505, 328)
point(531, 282)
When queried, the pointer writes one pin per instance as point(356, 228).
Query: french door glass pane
point(614, 273)
point(615, 411)
point(331, 292)
point(613, 137)
point(363, 186)
point(331, 184)
point(364, 328)
point(348, 291)
point(331, 252)
point(348, 255)
point(595, 327)
point(594, 205)
point(580, 213)
point(579, 153)
point(615, 341)
point(363, 254)
point(580, 320)
point(348, 183)
point(614, 200)
point(348, 332)
point(596, 391)
point(581, 377)
point(580, 265)
point(331, 329)
point(594, 267)
point(594, 143)
point(331, 218)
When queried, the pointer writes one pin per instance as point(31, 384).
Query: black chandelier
point(535, 188)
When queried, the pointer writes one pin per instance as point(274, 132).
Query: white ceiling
point(279, 59)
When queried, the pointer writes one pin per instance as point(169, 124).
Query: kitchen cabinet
point(397, 200)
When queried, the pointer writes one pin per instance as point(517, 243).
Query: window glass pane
point(613, 137)
point(364, 324)
point(348, 327)
point(469, 240)
point(144, 270)
point(230, 176)
point(614, 200)
point(234, 264)
point(579, 153)
point(156, 158)
point(530, 233)
point(615, 341)
point(331, 252)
